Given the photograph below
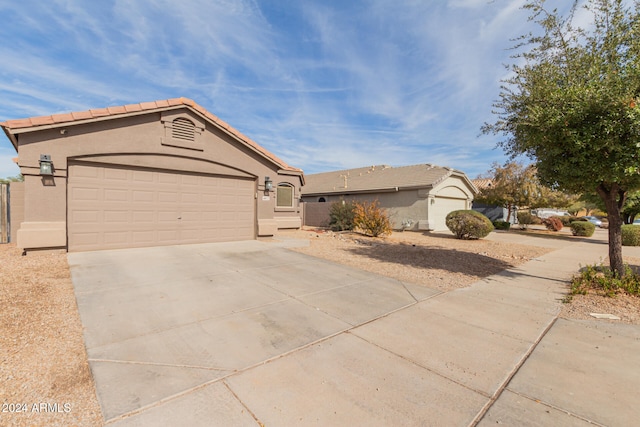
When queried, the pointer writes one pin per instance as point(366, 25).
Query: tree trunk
point(614, 197)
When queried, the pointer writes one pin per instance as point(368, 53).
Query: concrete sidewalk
point(350, 348)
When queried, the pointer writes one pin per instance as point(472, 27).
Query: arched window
point(284, 195)
point(322, 200)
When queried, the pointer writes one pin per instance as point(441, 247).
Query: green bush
point(582, 228)
point(552, 223)
point(468, 224)
point(566, 220)
point(630, 235)
point(341, 215)
point(525, 218)
point(501, 225)
point(371, 219)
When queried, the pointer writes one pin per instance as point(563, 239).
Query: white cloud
point(322, 84)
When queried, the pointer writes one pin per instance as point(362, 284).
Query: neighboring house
point(156, 173)
point(493, 212)
point(417, 197)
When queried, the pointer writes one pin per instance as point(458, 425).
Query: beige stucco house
point(417, 197)
point(156, 173)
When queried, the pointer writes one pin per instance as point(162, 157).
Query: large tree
point(572, 104)
point(515, 185)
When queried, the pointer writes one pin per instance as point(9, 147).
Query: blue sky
point(323, 84)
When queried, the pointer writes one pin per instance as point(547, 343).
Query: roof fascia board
point(12, 138)
point(91, 120)
point(347, 191)
point(192, 109)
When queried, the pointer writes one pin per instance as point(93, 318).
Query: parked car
point(593, 220)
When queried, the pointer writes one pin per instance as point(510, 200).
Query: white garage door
point(444, 205)
point(119, 207)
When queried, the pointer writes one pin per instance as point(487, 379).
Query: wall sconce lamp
point(268, 184)
point(46, 166)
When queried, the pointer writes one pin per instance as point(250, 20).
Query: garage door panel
point(115, 174)
point(166, 178)
point(82, 216)
point(115, 207)
point(83, 193)
point(115, 217)
point(116, 195)
point(444, 205)
point(142, 176)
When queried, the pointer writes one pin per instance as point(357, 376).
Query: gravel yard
point(442, 262)
point(438, 261)
point(44, 371)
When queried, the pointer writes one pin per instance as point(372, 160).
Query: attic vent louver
point(183, 129)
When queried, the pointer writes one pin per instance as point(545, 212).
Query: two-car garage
point(118, 207)
point(151, 174)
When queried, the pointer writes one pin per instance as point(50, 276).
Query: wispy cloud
point(323, 84)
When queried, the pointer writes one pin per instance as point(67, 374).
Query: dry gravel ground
point(44, 373)
point(442, 262)
point(438, 261)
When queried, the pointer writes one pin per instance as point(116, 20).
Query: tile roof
point(482, 183)
point(36, 123)
point(376, 178)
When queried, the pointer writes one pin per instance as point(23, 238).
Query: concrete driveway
point(250, 333)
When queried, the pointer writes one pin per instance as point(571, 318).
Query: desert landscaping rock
point(43, 362)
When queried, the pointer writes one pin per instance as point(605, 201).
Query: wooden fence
point(4, 213)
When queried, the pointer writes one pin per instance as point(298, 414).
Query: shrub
point(525, 218)
point(341, 215)
point(468, 224)
point(601, 279)
point(501, 225)
point(582, 228)
point(552, 223)
point(371, 219)
point(630, 235)
point(566, 220)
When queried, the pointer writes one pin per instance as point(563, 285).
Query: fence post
point(4, 213)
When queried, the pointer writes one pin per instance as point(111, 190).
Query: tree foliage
point(572, 104)
point(516, 185)
point(631, 207)
point(17, 178)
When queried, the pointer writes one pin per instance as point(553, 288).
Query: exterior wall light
point(268, 184)
point(46, 166)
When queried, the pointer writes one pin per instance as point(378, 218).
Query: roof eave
point(12, 138)
point(354, 191)
point(174, 104)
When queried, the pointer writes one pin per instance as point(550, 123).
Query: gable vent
point(183, 129)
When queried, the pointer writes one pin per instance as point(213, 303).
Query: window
point(284, 196)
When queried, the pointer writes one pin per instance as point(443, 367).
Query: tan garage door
point(444, 205)
point(118, 207)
